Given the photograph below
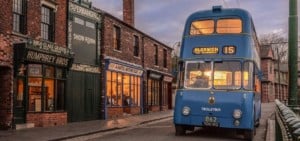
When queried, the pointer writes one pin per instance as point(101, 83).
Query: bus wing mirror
point(260, 75)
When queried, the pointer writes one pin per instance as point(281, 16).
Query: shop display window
point(122, 89)
point(153, 92)
point(46, 88)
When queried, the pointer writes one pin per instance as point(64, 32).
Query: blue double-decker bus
point(219, 73)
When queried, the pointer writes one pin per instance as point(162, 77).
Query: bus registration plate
point(210, 121)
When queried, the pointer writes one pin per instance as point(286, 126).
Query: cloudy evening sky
point(164, 19)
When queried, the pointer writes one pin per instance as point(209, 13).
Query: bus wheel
point(257, 123)
point(180, 130)
point(249, 134)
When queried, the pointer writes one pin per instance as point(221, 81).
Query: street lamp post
point(293, 53)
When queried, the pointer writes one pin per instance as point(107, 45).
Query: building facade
point(268, 80)
point(84, 36)
point(36, 61)
point(66, 61)
point(281, 81)
point(137, 68)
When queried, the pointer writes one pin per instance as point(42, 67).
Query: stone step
point(24, 126)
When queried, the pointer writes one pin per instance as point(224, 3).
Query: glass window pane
point(49, 92)
point(229, 26)
point(149, 92)
point(198, 75)
point(248, 75)
point(227, 75)
point(127, 97)
point(202, 27)
point(34, 70)
point(109, 92)
point(60, 95)
point(19, 97)
point(35, 94)
point(49, 71)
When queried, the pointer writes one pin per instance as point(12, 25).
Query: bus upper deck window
point(229, 26)
point(202, 27)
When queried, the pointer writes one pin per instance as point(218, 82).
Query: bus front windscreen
point(198, 75)
point(227, 75)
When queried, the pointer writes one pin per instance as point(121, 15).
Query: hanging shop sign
point(125, 69)
point(168, 78)
point(155, 76)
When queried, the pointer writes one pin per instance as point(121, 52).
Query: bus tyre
point(180, 130)
point(249, 135)
point(257, 123)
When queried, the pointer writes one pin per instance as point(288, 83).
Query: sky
point(164, 19)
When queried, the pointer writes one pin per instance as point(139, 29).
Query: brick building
point(281, 80)
point(268, 80)
point(116, 70)
point(35, 60)
point(136, 67)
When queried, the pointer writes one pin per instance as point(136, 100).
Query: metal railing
point(287, 123)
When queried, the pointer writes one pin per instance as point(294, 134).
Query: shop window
point(153, 92)
point(46, 92)
point(122, 89)
point(165, 93)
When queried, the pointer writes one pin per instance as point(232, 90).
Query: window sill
point(33, 112)
point(19, 34)
point(117, 50)
point(137, 57)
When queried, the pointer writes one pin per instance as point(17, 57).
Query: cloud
point(164, 19)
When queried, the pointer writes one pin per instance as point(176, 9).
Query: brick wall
point(265, 92)
point(5, 98)
point(127, 34)
point(6, 51)
point(61, 23)
point(132, 110)
point(34, 21)
point(47, 119)
point(114, 112)
point(149, 50)
point(154, 108)
point(6, 73)
point(5, 16)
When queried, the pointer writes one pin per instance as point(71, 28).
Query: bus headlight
point(237, 113)
point(186, 110)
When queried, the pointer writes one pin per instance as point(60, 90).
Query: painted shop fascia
point(44, 53)
point(127, 97)
point(40, 72)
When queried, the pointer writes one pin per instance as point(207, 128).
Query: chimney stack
point(128, 12)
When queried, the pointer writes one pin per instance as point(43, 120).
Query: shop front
point(123, 89)
point(159, 91)
point(40, 83)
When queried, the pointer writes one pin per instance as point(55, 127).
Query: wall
point(47, 119)
point(6, 73)
point(127, 35)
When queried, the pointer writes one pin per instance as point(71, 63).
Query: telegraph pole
point(293, 53)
